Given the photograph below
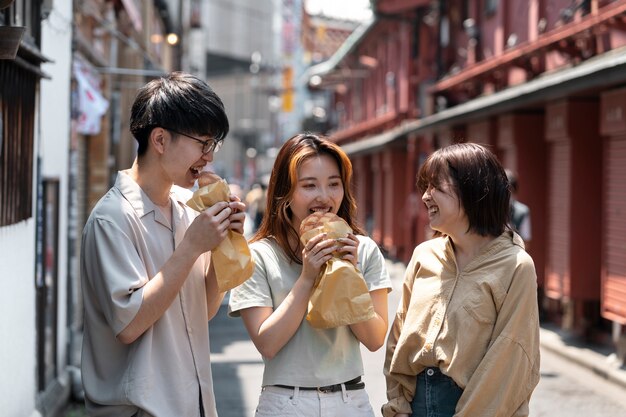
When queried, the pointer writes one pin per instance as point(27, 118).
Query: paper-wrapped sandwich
point(340, 295)
point(231, 259)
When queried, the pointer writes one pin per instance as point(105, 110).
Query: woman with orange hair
point(309, 371)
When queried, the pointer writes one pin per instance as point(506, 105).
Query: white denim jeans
point(287, 402)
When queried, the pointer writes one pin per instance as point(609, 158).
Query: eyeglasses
point(210, 145)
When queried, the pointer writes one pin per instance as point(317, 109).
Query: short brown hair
point(479, 181)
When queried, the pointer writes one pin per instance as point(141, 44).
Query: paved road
point(567, 390)
point(237, 366)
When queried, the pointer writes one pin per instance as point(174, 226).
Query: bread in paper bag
point(231, 259)
point(340, 295)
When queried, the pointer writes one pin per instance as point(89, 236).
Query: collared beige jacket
point(480, 326)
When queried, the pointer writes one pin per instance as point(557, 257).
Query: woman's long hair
point(277, 220)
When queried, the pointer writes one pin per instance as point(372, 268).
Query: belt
point(351, 385)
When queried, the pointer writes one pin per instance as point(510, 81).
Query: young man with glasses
point(209, 145)
point(148, 286)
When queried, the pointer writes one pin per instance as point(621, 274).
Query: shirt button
point(430, 372)
point(428, 347)
point(437, 322)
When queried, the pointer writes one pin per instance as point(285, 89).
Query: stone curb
point(607, 367)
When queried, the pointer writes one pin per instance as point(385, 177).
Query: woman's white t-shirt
point(312, 357)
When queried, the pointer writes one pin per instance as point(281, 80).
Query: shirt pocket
point(480, 305)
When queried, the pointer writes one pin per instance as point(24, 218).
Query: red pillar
point(521, 148)
point(377, 203)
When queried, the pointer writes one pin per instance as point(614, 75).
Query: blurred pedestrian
point(469, 305)
point(308, 369)
point(256, 200)
point(148, 288)
point(520, 212)
point(248, 226)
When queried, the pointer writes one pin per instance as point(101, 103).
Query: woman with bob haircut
point(465, 339)
point(309, 369)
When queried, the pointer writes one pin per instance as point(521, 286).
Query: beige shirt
point(126, 241)
point(480, 326)
point(312, 357)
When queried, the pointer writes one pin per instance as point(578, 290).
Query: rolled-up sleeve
point(118, 283)
point(372, 265)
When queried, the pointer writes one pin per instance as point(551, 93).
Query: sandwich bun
point(318, 219)
point(207, 178)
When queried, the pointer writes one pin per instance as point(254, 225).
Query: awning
point(30, 58)
point(601, 71)
point(376, 142)
point(324, 68)
point(10, 38)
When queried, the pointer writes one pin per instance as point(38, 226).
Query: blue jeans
point(436, 395)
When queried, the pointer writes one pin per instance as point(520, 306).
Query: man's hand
point(209, 228)
point(238, 215)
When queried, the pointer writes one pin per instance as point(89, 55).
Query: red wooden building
point(542, 83)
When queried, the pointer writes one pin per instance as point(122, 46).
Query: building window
point(17, 121)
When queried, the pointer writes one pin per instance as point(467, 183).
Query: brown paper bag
point(340, 295)
point(231, 259)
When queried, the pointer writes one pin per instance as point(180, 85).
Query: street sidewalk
point(600, 360)
point(238, 367)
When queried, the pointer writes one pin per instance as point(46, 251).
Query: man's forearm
point(213, 295)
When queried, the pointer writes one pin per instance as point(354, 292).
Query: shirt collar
point(137, 198)
point(506, 239)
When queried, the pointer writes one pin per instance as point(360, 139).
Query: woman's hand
point(349, 249)
point(315, 254)
point(271, 329)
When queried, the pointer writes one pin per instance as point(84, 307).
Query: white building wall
point(17, 319)
point(18, 350)
point(55, 143)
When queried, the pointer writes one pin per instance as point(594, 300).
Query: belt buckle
point(325, 390)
